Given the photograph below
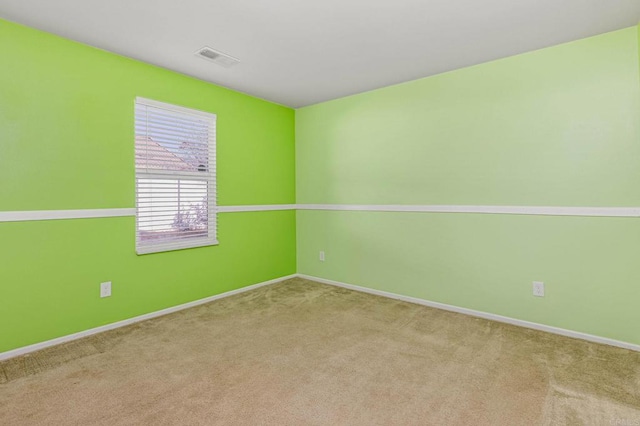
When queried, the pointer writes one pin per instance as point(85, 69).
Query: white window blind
point(175, 177)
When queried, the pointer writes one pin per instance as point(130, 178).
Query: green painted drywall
point(554, 127)
point(66, 129)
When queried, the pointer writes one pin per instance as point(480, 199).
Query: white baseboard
point(480, 314)
point(555, 330)
point(42, 345)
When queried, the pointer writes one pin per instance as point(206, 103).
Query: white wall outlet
point(105, 289)
point(538, 288)
point(322, 256)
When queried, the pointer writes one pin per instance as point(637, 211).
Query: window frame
point(177, 175)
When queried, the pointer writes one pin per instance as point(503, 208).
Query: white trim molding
point(257, 208)
point(29, 215)
point(21, 216)
point(75, 336)
point(521, 323)
point(479, 314)
point(522, 210)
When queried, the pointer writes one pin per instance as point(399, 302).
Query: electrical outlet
point(322, 256)
point(538, 288)
point(105, 289)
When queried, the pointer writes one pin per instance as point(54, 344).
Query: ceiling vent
point(219, 58)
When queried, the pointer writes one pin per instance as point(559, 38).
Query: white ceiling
point(297, 52)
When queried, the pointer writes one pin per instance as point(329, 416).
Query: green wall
point(67, 142)
point(554, 127)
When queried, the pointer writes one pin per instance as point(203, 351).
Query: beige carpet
point(302, 353)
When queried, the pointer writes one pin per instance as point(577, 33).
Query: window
point(175, 177)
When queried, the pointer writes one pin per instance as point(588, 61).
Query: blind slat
point(164, 116)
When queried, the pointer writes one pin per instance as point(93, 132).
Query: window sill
point(182, 245)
